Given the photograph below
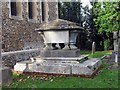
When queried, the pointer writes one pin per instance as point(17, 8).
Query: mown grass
point(105, 79)
point(97, 54)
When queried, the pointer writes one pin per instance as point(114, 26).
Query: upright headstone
point(119, 48)
point(93, 47)
point(116, 53)
point(119, 42)
point(115, 41)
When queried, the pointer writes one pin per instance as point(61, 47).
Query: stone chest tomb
point(60, 31)
point(56, 60)
point(23, 48)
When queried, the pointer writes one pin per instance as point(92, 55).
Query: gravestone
point(115, 35)
point(115, 57)
point(6, 76)
point(93, 47)
point(117, 46)
point(119, 49)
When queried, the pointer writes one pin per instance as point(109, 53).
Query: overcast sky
point(86, 2)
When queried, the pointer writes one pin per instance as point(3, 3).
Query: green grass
point(97, 54)
point(105, 79)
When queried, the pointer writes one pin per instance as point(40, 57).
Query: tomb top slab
point(59, 24)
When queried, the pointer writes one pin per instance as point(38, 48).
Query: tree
point(108, 19)
point(70, 11)
point(91, 30)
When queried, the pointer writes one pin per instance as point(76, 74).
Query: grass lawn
point(105, 79)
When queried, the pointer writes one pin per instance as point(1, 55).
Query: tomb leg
point(66, 46)
point(72, 46)
point(48, 46)
point(54, 47)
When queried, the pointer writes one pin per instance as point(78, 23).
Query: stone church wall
point(18, 34)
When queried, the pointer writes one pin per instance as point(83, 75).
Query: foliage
point(91, 30)
point(87, 18)
point(70, 11)
point(108, 18)
point(106, 44)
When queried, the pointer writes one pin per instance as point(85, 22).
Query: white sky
point(86, 2)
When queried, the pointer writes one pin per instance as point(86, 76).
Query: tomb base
point(57, 66)
point(65, 62)
point(60, 53)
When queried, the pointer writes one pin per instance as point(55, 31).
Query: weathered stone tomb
point(57, 60)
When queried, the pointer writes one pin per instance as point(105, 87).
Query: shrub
point(106, 44)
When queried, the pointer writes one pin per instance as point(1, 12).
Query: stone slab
point(42, 67)
point(77, 69)
point(6, 76)
point(51, 68)
point(93, 63)
point(56, 61)
point(86, 68)
point(89, 67)
point(81, 57)
point(60, 53)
